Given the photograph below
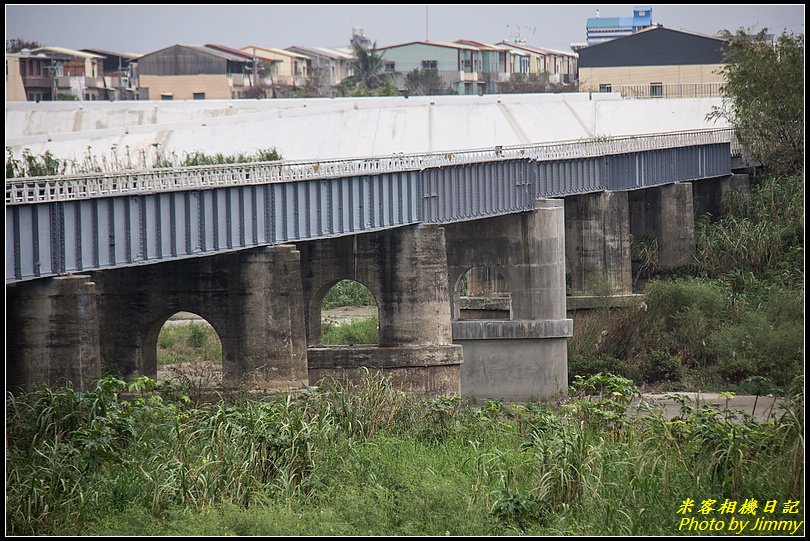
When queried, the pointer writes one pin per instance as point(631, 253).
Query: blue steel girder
point(70, 235)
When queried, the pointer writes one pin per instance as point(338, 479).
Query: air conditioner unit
point(124, 82)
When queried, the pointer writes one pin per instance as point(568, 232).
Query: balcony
point(37, 82)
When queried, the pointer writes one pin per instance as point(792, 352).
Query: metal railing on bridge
point(60, 225)
point(106, 184)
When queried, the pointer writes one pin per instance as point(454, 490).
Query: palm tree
point(368, 67)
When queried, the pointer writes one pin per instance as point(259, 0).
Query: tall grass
point(28, 164)
point(368, 459)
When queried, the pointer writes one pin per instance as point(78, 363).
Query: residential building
point(499, 63)
point(602, 29)
point(560, 66)
point(287, 68)
point(30, 77)
point(656, 62)
point(186, 72)
point(459, 65)
point(328, 67)
point(78, 74)
point(120, 75)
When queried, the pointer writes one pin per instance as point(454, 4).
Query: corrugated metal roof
point(218, 53)
point(654, 47)
point(229, 50)
point(67, 52)
point(130, 56)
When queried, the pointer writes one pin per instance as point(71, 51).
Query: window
point(167, 96)
point(199, 95)
point(430, 64)
point(656, 90)
point(390, 66)
point(605, 87)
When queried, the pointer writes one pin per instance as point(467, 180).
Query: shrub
point(658, 366)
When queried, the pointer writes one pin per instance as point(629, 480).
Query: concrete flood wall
point(312, 129)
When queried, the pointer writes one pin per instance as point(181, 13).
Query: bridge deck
point(61, 225)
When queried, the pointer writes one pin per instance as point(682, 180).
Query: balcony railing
point(684, 90)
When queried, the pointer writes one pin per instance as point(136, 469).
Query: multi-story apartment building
point(185, 72)
point(328, 67)
point(287, 68)
point(30, 77)
point(560, 66)
point(458, 64)
point(602, 29)
point(499, 63)
point(77, 73)
point(120, 75)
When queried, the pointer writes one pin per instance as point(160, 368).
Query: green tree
point(764, 97)
point(522, 83)
point(369, 78)
point(15, 45)
point(426, 82)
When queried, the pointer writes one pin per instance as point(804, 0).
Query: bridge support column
point(667, 211)
point(526, 357)
point(406, 270)
point(270, 330)
point(708, 194)
point(52, 333)
point(597, 242)
point(252, 299)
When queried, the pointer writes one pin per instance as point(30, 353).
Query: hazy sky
point(145, 28)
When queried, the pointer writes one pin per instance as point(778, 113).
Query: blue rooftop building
point(602, 29)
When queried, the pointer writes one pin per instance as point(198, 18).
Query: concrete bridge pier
point(52, 334)
point(406, 271)
point(525, 357)
point(708, 194)
point(252, 299)
point(597, 242)
point(667, 211)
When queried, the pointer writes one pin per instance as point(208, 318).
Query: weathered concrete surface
point(669, 212)
point(308, 129)
point(496, 306)
point(428, 370)
point(708, 194)
point(252, 299)
point(514, 369)
point(406, 271)
point(597, 242)
point(52, 333)
point(527, 357)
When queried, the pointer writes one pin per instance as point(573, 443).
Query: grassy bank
point(368, 459)
point(734, 317)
